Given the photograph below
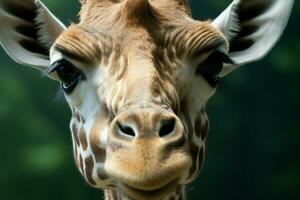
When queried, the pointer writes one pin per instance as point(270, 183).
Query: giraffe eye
point(212, 67)
point(68, 74)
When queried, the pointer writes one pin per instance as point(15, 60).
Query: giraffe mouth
point(136, 193)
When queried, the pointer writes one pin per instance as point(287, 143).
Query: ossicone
point(137, 8)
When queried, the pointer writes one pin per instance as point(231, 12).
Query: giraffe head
point(137, 75)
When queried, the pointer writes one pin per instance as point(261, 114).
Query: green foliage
point(253, 149)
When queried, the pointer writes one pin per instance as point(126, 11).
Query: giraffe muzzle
point(147, 149)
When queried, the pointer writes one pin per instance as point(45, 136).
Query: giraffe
point(137, 76)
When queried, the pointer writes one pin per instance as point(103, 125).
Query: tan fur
point(137, 78)
point(106, 22)
point(140, 48)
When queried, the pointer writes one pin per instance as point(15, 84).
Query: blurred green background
point(254, 140)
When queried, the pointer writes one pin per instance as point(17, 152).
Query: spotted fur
point(139, 126)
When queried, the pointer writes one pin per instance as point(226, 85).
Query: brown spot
point(187, 118)
point(198, 125)
point(99, 153)
point(82, 137)
point(172, 198)
point(74, 131)
point(201, 126)
point(101, 174)
point(194, 148)
point(89, 166)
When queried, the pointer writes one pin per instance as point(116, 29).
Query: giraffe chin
point(140, 194)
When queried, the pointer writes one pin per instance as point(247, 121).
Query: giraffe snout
point(147, 149)
point(147, 124)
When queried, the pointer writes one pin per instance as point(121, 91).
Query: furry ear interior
point(27, 31)
point(252, 28)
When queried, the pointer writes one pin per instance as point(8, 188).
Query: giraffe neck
point(178, 194)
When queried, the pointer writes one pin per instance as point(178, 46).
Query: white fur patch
point(269, 25)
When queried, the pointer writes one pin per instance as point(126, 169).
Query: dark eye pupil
point(212, 66)
point(68, 74)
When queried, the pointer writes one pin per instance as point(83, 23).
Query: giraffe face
point(137, 75)
point(138, 100)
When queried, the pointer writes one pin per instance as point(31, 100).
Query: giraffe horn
point(137, 3)
point(135, 8)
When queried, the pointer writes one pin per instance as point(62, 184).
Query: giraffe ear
point(252, 28)
point(27, 31)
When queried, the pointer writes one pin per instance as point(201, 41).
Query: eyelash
point(212, 66)
point(68, 74)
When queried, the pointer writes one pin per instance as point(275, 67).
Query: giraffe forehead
point(136, 27)
point(128, 11)
point(91, 44)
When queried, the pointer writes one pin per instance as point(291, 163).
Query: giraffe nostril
point(126, 130)
point(167, 127)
